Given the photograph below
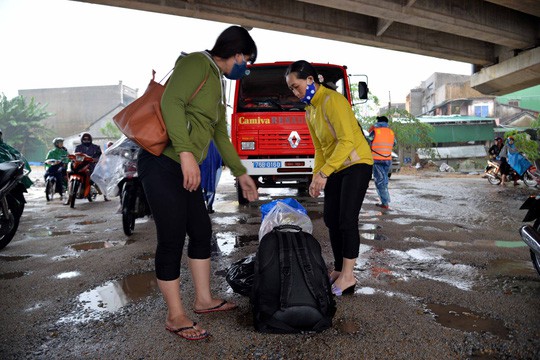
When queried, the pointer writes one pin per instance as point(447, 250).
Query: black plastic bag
point(240, 275)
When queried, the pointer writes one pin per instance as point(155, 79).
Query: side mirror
point(363, 90)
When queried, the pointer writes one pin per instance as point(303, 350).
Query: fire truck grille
point(285, 140)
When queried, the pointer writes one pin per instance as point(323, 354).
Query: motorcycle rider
point(59, 172)
point(92, 150)
point(508, 148)
point(495, 149)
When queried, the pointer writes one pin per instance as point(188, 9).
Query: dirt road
point(444, 275)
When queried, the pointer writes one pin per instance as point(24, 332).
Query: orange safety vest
point(382, 143)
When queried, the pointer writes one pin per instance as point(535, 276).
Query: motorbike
point(494, 176)
point(531, 234)
point(132, 197)
point(55, 167)
point(11, 199)
point(79, 184)
point(116, 173)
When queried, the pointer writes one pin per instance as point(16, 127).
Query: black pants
point(176, 212)
point(343, 197)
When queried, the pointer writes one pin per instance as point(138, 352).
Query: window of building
point(481, 110)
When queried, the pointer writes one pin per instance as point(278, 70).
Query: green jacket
point(58, 154)
point(191, 124)
point(338, 139)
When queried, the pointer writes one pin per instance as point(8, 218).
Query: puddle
point(225, 243)
point(510, 267)
point(372, 236)
point(491, 243)
point(68, 275)
point(369, 213)
point(13, 275)
point(347, 326)
point(58, 233)
point(404, 221)
point(368, 227)
point(460, 318)
point(113, 295)
point(90, 222)
point(145, 257)
point(99, 245)
point(68, 216)
point(413, 239)
point(226, 220)
point(425, 228)
point(425, 263)
point(14, 258)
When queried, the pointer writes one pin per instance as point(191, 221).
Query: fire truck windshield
point(265, 89)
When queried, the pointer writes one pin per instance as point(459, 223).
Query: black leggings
point(176, 212)
point(343, 197)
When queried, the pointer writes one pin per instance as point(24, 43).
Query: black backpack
point(291, 290)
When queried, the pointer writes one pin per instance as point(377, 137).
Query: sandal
point(180, 332)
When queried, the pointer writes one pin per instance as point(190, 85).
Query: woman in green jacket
point(343, 167)
point(193, 108)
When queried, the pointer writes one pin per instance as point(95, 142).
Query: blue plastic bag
point(284, 212)
point(265, 208)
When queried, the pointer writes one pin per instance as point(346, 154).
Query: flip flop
point(220, 307)
point(180, 331)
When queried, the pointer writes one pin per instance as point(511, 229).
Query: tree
point(524, 144)
point(411, 134)
point(111, 131)
point(22, 127)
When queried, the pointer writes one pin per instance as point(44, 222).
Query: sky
point(61, 43)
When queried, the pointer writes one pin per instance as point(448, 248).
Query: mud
point(444, 275)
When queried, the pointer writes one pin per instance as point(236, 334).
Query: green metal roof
point(528, 98)
point(454, 119)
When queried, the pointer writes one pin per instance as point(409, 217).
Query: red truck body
point(268, 125)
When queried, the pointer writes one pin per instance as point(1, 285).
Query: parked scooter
point(494, 176)
point(51, 174)
point(132, 197)
point(531, 234)
point(79, 184)
point(11, 199)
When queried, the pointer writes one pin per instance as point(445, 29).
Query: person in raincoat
point(58, 171)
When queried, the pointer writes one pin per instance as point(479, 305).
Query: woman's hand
point(190, 171)
point(249, 189)
point(317, 185)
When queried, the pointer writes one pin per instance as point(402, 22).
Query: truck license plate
point(266, 164)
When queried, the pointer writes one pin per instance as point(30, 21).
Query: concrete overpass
point(500, 38)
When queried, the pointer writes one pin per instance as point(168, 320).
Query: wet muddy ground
point(444, 275)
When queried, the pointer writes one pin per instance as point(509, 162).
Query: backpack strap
point(285, 257)
point(307, 269)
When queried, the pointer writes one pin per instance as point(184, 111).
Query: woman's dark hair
point(235, 40)
point(303, 69)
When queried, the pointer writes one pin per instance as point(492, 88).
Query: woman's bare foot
point(191, 329)
point(333, 276)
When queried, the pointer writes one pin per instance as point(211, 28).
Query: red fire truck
point(268, 126)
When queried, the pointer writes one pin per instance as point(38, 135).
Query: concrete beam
point(474, 19)
point(520, 72)
point(531, 7)
point(298, 18)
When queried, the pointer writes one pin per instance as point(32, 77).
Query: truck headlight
point(248, 145)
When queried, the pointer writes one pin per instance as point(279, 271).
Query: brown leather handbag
point(142, 122)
